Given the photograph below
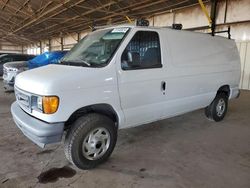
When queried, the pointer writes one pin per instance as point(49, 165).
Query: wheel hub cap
point(96, 143)
point(220, 108)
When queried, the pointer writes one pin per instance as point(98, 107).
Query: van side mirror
point(130, 60)
point(133, 58)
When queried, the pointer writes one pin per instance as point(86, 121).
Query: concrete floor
point(185, 151)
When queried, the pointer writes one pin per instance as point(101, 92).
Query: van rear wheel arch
point(224, 89)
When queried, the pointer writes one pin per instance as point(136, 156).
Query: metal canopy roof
point(28, 21)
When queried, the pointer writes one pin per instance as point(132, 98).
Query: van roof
point(145, 27)
point(156, 28)
point(128, 25)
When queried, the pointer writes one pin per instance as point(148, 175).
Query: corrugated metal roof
point(27, 21)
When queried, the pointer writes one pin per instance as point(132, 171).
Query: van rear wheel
point(217, 110)
point(90, 141)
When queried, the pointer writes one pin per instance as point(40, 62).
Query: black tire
point(80, 131)
point(213, 112)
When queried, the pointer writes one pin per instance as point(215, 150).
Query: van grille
point(23, 99)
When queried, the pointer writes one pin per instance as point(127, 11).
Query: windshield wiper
point(85, 62)
point(76, 63)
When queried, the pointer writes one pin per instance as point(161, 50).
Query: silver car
point(10, 70)
point(4, 58)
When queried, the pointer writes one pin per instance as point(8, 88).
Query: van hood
point(50, 79)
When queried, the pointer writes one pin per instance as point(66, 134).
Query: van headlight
point(47, 104)
point(40, 103)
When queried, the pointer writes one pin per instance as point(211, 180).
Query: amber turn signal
point(50, 104)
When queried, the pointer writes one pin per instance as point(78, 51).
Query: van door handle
point(163, 86)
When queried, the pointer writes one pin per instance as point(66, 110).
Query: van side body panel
point(198, 66)
point(195, 66)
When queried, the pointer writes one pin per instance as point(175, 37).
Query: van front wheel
point(218, 108)
point(90, 141)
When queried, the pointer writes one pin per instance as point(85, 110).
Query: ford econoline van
point(120, 77)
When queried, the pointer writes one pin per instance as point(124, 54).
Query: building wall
point(244, 50)
point(193, 17)
point(54, 43)
point(10, 48)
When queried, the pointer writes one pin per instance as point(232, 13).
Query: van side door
point(140, 78)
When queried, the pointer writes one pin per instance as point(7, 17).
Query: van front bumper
point(40, 132)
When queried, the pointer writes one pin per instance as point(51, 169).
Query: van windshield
point(96, 49)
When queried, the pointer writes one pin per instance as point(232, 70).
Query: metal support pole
point(78, 37)
point(225, 15)
point(229, 32)
point(49, 45)
point(40, 46)
point(129, 20)
point(173, 17)
point(213, 15)
point(203, 8)
point(62, 43)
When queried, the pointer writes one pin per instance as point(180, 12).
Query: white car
point(10, 70)
point(120, 77)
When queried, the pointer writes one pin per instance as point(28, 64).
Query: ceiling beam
point(19, 9)
point(120, 13)
point(139, 5)
point(124, 10)
point(48, 18)
point(74, 11)
point(147, 12)
point(79, 25)
point(83, 14)
point(37, 20)
point(4, 5)
point(14, 8)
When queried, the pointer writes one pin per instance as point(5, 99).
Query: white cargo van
point(121, 77)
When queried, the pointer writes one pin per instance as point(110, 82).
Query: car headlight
point(47, 104)
point(12, 69)
point(40, 103)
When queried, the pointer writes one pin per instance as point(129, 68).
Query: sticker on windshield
point(120, 30)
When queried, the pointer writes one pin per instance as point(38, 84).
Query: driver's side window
point(142, 52)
